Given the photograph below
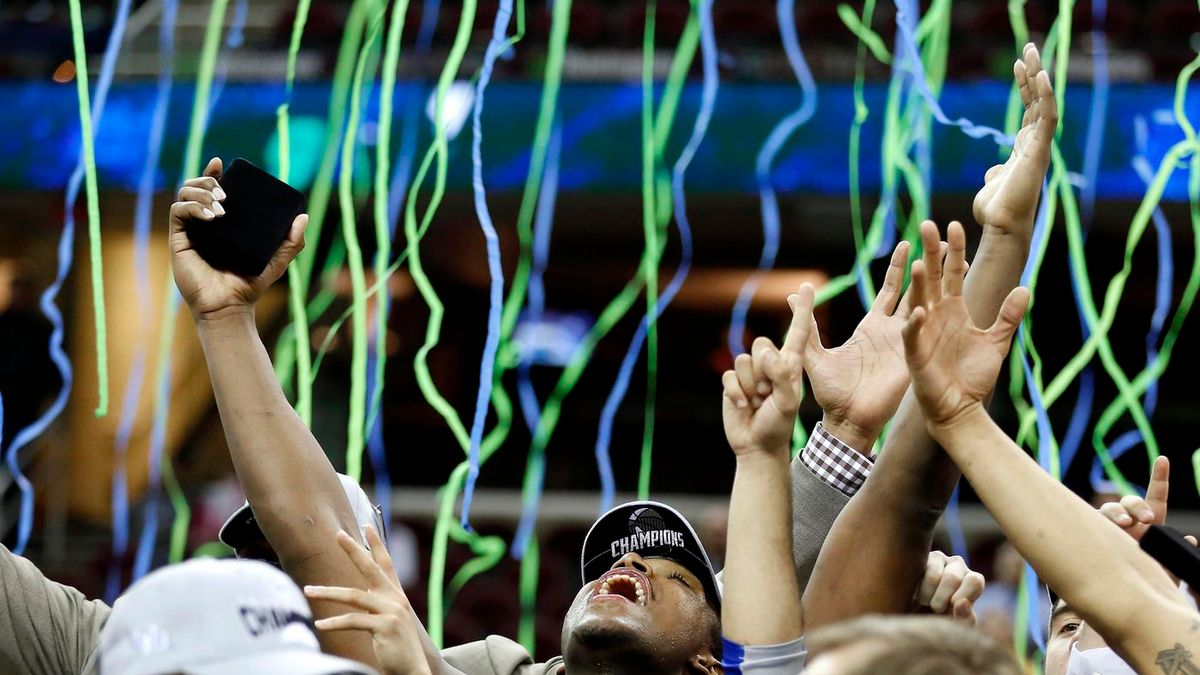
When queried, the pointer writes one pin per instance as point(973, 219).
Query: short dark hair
point(917, 645)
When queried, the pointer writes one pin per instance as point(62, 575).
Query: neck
point(588, 662)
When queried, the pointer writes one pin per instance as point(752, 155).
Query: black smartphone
point(259, 210)
point(1172, 551)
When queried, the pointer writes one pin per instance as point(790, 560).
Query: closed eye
point(682, 580)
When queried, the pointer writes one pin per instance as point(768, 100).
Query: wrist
point(965, 423)
point(762, 456)
point(1018, 236)
point(861, 439)
point(224, 319)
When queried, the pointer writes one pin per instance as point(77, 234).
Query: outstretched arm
point(875, 554)
point(761, 601)
point(1095, 567)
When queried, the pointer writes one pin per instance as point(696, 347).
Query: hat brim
point(282, 662)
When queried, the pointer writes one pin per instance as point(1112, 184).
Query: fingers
point(743, 367)
point(208, 199)
point(375, 623)
point(1011, 313)
point(785, 380)
point(953, 578)
point(964, 612)
point(935, 564)
point(1137, 508)
point(374, 576)
point(801, 303)
point(381, 556)
point(354, 597)
point(1159, 489)
point(733, 389)
point(1115, 512)
point(762, 386)
point(1033, 59)
point(183, 211)
point(932, 256)
point(917, 296)
point(956, 259)
point(889, 292)
point(1021, 76)
point(213, 168)
point(992, 172)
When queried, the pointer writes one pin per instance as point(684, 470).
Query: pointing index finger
point(802, 304)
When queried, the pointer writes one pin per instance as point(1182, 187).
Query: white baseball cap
point(216, 617)
point(241, 527)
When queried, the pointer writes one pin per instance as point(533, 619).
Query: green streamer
point(650, 232)
point(356, 420)
point(296, 335)
point(93, 207)
point(861, 28)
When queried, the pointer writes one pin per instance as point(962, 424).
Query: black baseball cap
point(648, 529)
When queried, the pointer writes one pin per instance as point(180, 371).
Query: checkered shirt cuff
point(836, 463)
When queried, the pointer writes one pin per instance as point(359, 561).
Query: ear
point(704, 663)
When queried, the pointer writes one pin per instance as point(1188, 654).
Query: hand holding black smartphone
point(259, 210)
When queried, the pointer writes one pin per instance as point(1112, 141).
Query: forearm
point(761, 603)
point(297, 498)
point(1094, 566)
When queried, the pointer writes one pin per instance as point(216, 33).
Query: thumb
point(213, 169)
point(287, 251)
point(1011, 313)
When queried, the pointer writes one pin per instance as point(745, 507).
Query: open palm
point(862, 381)
point(953, 363)
point(206, 290)
point(1009, 197)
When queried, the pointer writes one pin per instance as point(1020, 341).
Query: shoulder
point(496, 655)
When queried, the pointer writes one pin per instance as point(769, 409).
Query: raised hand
point(762, 392)
point(1134, 514)
point(386, 613)
point(1009, 198)
point(860, 384)
point(949, 587)
point(208, 291)
point(953, 363)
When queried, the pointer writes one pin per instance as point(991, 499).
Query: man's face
point(1067, 629)
point(647, 611)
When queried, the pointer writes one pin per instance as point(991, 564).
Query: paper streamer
point(708, 97)
point(542, 227)
point(769, 204)
point(497, 45)
point(89, 112)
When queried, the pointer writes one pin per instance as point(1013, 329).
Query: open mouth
point(622, 584)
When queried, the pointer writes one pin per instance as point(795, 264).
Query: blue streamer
point(49, 309)
point(708, 99)
point(1093, 148)
point(498, 44)
point(147, 541)
point(376, 451)
point(785, 11)
point(233, 40)
point(119, 500)
point(1033, 602)
point(1045, 431)
point(909, 57)
point(141, 266)
point(958, 537)
point(543, 224)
